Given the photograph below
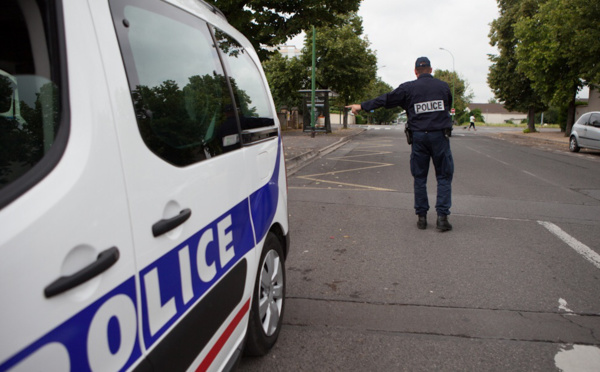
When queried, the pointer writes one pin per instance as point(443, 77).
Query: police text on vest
point(431, 106)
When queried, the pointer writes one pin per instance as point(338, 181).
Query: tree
point(286, 77)
point(558, 50)
point(509, 85)
point(382, 115)
point(462, 93)
point(272, 22)
point(478, 115)
point(345, 64)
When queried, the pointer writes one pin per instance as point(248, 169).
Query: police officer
point(427, 103)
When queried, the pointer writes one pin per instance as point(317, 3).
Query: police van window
point(29, 96)
point(180, 96)
point(247, 84)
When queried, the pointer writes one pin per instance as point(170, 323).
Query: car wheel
point(266, 313)
point(573, 146)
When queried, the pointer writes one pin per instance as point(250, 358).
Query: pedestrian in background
point(472, 123)
point(426, 101)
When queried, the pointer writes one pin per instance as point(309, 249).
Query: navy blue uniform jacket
point(426, 100)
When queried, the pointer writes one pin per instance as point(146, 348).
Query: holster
point(409, 134)
point(448, 132)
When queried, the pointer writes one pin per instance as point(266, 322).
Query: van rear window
point(29, 96)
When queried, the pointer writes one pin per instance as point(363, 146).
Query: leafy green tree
point(382, 115)
point(462, 93)
point(286, 77)
point(509, 85)
point(272, 22)
point(478, 115)
point(345, 63)
point(558, 50)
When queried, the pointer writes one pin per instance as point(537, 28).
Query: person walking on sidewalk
point(427, 103)
point(472, 123)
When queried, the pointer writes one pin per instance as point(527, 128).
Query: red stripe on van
point(212, 354)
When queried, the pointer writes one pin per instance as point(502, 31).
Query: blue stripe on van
point(168, 266)
point(263, 202)
point(73, 334)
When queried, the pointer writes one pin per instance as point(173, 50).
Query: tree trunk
point(531, 120)
point(570, 117)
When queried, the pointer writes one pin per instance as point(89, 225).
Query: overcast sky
point(400, 31)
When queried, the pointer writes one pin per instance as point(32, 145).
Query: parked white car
point(586, 132)
point(143, 198)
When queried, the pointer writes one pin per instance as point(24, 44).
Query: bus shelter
point(322, 117)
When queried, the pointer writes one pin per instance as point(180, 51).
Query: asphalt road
point(514, 287)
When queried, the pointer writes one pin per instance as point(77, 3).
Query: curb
point(296, 163)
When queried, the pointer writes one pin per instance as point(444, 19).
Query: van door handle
point(166, 225)
point(104, 261)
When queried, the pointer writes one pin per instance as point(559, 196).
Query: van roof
point(214, 9)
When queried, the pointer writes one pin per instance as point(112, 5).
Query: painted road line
point(366, 151)
point(487, 155)
point(578, 246)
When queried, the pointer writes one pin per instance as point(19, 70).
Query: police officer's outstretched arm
point(355, 108)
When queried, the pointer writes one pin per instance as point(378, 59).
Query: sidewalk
point(300, 148)
point(553, 136)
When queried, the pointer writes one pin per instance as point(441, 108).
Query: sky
point(400, 31)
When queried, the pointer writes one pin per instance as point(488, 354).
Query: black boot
point(443, 224)
point(422, 222)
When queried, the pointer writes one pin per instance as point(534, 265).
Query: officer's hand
point(355, 108)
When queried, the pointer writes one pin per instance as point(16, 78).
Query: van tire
point(269, 288)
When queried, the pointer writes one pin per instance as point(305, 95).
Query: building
point(288, 51)
point(592, 103)
point(495, 113)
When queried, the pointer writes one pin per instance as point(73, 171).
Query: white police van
point(143, 201)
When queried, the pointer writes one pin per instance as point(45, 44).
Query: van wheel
point(573, 146)
point(266, 313)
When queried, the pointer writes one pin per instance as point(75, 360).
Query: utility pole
point(313, 84)
point(453, 82)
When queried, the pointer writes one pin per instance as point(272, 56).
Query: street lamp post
point(313, 79)
point(453, 78)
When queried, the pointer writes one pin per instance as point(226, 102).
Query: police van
point(143, 199)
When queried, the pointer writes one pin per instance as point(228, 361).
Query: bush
point(360, 119)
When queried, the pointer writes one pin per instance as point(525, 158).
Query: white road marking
point(578, 358)
point(562, 305)
point(487, 155)
point(578, 246)
point(541, 178)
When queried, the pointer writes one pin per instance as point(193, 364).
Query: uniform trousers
point(434, 146)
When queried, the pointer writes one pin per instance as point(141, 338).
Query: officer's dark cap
point(422, 62)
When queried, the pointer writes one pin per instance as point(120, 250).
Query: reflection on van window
point(182, 103)
point(29, 104)
point(248, 87)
